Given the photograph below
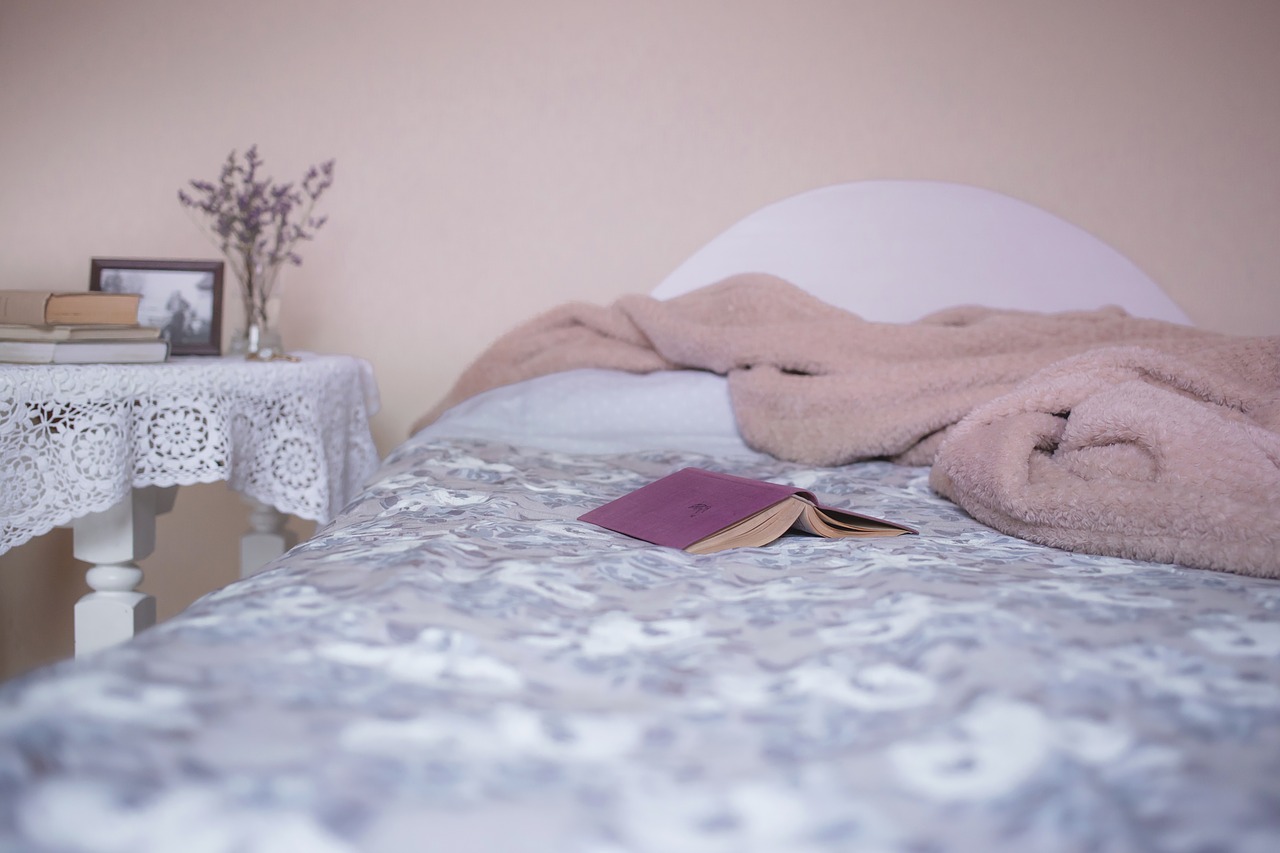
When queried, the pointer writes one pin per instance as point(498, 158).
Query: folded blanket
point(1133, 452)
point(815, 384)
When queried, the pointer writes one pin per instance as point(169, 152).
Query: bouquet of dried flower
point(257, 225)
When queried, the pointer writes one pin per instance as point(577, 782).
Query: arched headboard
point(895, 250)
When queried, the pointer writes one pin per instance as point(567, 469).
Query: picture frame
point(181, 297)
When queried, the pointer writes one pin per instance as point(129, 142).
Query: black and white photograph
point(182, 298)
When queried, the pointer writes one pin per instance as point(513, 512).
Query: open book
point(703, 511)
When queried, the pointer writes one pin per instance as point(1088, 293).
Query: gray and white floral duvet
point(456, 664)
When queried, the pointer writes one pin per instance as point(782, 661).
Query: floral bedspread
point(457, 664)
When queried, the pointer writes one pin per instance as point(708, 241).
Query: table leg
point(266, 539)
point(113, 540)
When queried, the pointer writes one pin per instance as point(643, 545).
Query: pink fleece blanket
point(1093, 431)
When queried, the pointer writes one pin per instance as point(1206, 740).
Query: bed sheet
point(457, 664)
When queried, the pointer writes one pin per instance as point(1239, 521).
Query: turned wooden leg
point(266, 539)
point(113, 541)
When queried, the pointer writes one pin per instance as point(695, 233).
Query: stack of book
point(75, 327)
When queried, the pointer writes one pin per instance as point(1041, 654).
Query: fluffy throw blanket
point(1094, 431)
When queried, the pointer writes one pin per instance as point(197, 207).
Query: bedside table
point(102, 448)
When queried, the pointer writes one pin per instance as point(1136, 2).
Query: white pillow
point(602, 411)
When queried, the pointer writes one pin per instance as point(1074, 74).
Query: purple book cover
point(686, 506)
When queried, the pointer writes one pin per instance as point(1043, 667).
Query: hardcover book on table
point(84, 352)
point(703, 511)
point(51, 308)
point(85, 332)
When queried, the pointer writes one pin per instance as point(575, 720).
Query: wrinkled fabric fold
point(1132, 452)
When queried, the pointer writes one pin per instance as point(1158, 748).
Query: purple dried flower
point(257, 222)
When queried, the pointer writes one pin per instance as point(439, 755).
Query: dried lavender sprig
point(254, 219)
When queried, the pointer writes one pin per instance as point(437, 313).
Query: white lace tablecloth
point(75, 438)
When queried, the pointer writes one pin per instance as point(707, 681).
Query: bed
point(457, 663)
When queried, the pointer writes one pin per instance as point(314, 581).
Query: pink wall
point(498, 157)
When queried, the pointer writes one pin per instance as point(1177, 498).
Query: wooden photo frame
point(184, 298)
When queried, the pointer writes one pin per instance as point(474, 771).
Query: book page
point(833, 523)
point(755, 530)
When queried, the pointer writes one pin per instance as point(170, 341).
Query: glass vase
point(259, 336)
point(257, 340)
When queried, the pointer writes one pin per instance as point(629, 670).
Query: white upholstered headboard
point(895, 250)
